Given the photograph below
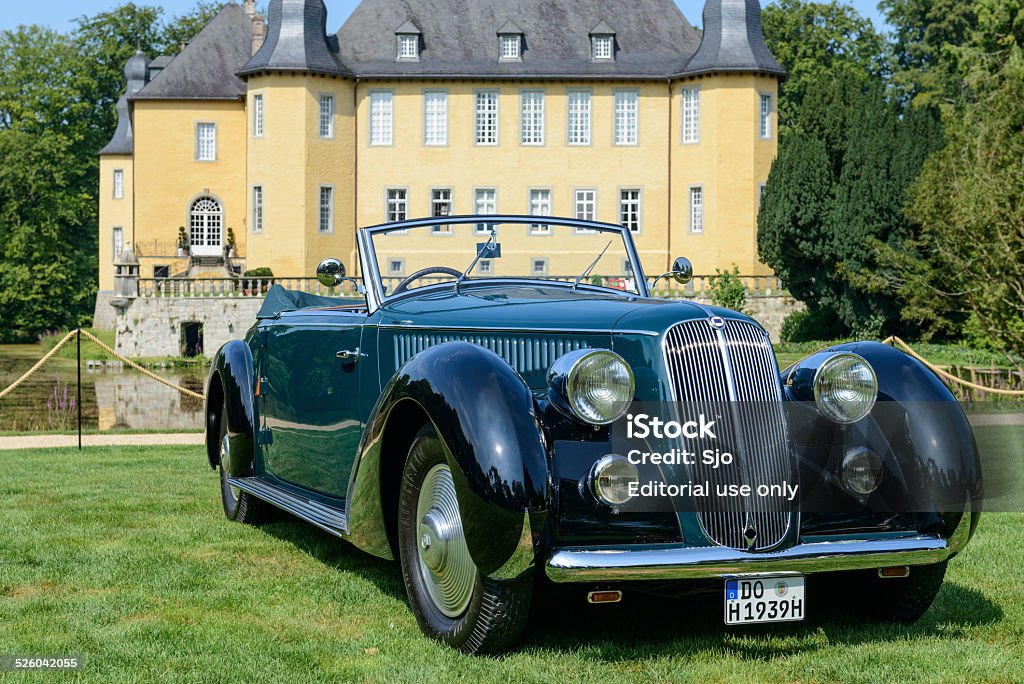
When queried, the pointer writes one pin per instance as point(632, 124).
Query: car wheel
point(238, 505)
point(452, 601)
point(902, 599)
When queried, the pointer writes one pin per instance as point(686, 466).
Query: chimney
point(259, 31)
point(250, 8)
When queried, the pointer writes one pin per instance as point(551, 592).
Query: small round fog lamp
point(861, 471)
point(610, 480)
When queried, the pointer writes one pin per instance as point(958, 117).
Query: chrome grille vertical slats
point(708, 366)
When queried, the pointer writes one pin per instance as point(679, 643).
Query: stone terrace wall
point(151, 326)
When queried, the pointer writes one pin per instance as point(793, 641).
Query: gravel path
point(61, 441)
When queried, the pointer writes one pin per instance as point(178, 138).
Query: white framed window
point(397, 205)
point(257, 208)
point(691, 115)
point(627, 117)
point(540, 205)
point(485, 267)
point(585, 208)
point(538, 266)
point(511, 47)
point(381, 117)
point(118, 183)
point(435, 117)
point(118, 241)
point(206, 141)
point(441, 205)
point(326, 116)
point(396, 267)
point(408, 47)
point(696, 208)
point(326, 208)
point(602, 47)
point(579, 117)
point(486, 123)
point(761, 187)
point(485, 202)
point(766, 116)
point(257, 115)
point(532, 117)
point(629, 209)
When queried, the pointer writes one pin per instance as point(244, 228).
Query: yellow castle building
point(267, 142)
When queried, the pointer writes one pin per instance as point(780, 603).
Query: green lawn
point(122, 556)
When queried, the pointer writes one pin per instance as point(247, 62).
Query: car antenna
point(591, 267)
point(486, 249)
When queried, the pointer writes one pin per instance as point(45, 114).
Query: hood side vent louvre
point(527, 355)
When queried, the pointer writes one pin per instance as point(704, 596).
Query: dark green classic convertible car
point(493, 430)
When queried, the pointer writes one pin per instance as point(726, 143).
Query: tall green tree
point(966, 263)
point(815, 40)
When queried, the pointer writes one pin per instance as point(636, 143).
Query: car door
point(309, 392)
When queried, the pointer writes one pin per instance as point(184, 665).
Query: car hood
point(538, 308)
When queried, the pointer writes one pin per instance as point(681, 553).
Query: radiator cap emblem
point(717, 322)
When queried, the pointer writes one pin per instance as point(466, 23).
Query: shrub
point(811, 325)
point(262, 272)
point(727, 289)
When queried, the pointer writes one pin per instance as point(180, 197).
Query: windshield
point(588, 255)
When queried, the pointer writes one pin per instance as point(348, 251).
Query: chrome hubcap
point(225, 464)
point(445, 564)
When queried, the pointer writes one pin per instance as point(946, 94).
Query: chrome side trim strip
point(327, 518)
point(669, 561)
point(532, 331)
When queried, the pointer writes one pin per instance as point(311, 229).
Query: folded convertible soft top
point(279, 299)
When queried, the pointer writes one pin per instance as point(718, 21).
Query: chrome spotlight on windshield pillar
point(330, 273)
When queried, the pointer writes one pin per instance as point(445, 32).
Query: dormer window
point(602, 43)
point(408, 47)
point(408, 35)
point(510, 43)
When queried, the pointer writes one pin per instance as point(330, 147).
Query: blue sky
point(59, 13)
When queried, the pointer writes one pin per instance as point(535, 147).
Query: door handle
point(349, 355)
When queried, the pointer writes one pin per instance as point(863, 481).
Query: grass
point(788, 353)
point(122, 556)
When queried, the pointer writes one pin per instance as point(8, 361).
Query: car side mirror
point(682, 270)
point(331, 273)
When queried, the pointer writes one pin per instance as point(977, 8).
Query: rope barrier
point(894, 341)
point(38, 364)
point(31, 371)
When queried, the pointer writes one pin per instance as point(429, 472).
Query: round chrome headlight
point(861, 471)
point(845, 388)
point(596, 385)
point(611, 479)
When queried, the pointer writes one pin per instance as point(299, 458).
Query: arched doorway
point(206, 227)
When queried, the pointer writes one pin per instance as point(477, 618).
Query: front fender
point(486, 418)
point(230, 385)
point(925, 427)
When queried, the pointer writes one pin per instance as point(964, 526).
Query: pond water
point(112, 398)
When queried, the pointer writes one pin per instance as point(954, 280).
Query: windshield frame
point(374, 282)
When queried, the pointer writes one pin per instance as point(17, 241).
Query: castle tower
point(729, 86)
point(301, 160)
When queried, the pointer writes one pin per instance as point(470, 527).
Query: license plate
point(764, 598)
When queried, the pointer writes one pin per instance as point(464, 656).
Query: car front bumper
point(670, 561)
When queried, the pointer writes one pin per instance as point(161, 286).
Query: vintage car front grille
point(733, 369)
point(527, 356)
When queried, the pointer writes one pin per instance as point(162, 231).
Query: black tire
point(902, 599)
point(497, 609)
point(238, 505)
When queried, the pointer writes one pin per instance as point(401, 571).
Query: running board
point(327, 518)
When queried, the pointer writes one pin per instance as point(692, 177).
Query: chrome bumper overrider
point(670, 561)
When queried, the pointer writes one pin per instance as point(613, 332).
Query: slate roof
point(208, 66)
point(654, 39)
point(297, 40)
point(123, 140)
point(733, 40)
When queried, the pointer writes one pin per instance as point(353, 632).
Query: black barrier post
point(79, 338)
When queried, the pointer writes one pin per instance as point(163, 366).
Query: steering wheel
point(404, 285)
